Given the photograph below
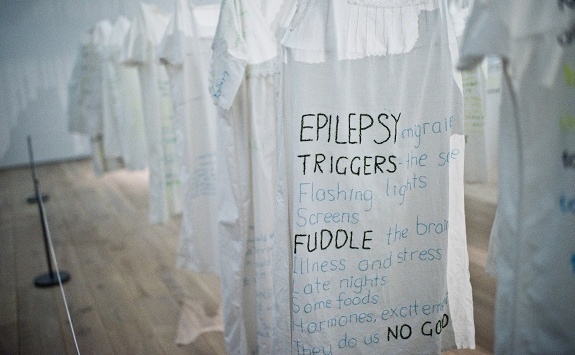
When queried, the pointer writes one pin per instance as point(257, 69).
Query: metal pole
point(51, 278)
point(34, 198)
point(40, 209)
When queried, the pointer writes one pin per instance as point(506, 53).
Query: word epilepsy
point(351, 129)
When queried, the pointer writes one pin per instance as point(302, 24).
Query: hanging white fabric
point(371, 213)
point(91, 107)
point(243, 85)
point(185, 50)
point(474, 97)
point(145, 34)
point(83, 71)
point(111, 114)
point(479, 143)
point(125, 129)
point(532, 239)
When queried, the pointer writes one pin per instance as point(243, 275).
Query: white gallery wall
point(39, 42)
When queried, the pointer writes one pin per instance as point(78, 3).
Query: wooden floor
point(126, 295)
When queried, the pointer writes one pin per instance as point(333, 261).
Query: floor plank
point(8, 295)
point(126, 294)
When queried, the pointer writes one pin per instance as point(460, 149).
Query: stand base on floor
point(51, 279)
point(32, 199)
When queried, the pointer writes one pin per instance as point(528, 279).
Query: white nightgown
point(243, 84)
point(145, 34)
point(186, 52)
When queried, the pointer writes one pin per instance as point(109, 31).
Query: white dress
point(481, 97)
point(125, 130)
point(185, 49)
point(371, 174)
point(145, 34)
point(243, 85)
point(111, 145)
point(90, 106)
point(532, 241)
point(84, 101)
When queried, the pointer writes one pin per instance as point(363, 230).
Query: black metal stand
point(33, 199)
point(51, 278)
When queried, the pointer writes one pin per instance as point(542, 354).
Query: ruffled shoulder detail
point(354, 29)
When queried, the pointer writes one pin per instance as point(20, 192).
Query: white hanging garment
point(76, 119)
point(371, 205)
point(127, 131)
point(185, 49)
point(145, 34)
point(478, 153)
point(474, 98)
point(90, 104)
point(532, 239)
point(106, 151)
point(111, 136)
point(243, 85)
point(493, 74)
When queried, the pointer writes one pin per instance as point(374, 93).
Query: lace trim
point(388, 3)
